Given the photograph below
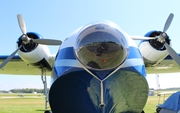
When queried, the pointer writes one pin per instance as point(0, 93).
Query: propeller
point(163, 36)
point(173, 53)
point(21, 23)
point(141, 38)
point(162, 39)
point(168, 22)
point(26, 40)
point(10, 57)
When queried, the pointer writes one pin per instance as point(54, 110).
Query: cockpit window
point(101, 47)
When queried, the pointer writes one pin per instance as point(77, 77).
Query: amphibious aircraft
point(97, 69)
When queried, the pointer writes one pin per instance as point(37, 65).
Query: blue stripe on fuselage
point(134, 53)
point(66, 53)
point(66, 59)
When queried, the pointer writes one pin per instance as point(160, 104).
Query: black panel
point(43, 64)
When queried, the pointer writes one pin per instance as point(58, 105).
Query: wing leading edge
point(18, 67)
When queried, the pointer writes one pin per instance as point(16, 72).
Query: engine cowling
point(35, 54)
point(153, 51)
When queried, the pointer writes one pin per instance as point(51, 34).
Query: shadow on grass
point(44, 111)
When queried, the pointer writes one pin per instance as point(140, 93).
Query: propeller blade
point(21, 23)
point(10, 57)
point(168, 22)
point(141, 38)
point(47, 41)
point(173, 54)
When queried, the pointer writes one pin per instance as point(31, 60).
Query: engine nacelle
point(153, 51)
point(35, 54)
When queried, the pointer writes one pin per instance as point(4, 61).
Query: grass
point(34, 103)
point(30, 103)
point(151, 104)
point(153, 101)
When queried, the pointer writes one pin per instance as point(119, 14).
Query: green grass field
point(30, 103)
point(34, 103)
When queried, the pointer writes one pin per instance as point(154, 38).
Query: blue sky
point(8, 82)
point(56, 19)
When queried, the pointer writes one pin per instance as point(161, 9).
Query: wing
point(168, 65)
point(18, 67)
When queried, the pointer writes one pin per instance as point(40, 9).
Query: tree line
point(25, 90)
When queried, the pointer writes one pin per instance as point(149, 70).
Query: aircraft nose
point(101, 47)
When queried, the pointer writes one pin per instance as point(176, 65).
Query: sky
point(56, 19)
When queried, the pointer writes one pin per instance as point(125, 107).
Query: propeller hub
point(162, 37)
point(163, 34)
point(25, 39)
